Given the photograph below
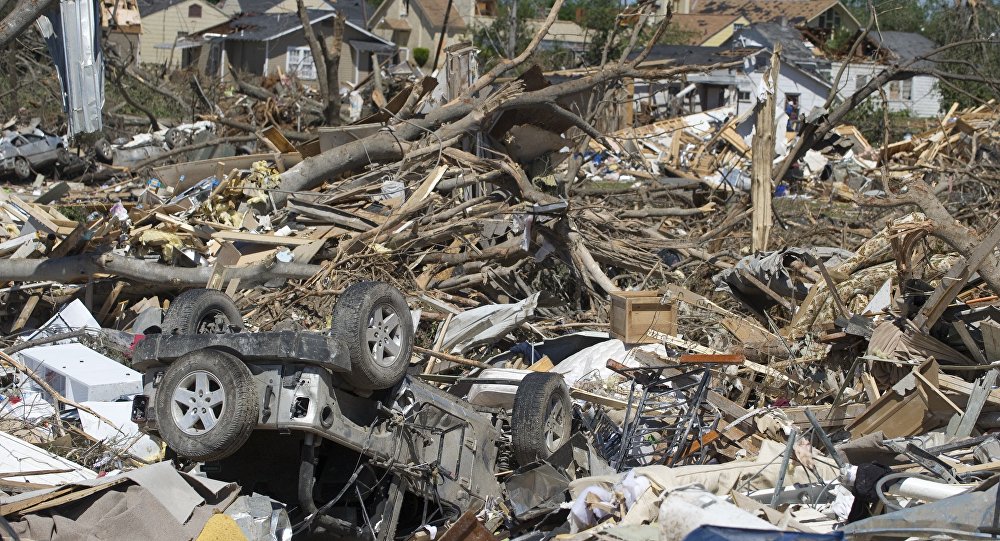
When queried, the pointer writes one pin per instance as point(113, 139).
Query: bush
point(421, 55)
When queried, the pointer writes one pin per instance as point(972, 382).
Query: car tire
point(542, 418)
point(372, 320)
point(174, 138)
point(202, 311)
point(220, 426)
point(104, 151)
point(22, 168)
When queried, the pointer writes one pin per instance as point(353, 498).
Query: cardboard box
point(633, 313)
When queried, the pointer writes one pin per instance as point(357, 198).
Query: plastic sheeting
point(486, 324)
point(771, 268)
point(960, 517)
point(722, 533)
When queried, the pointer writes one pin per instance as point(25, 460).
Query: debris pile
point(595, 350)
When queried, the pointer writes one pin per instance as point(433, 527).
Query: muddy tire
point(542, 418)
point(206, 405)
point(104, 151)
point(22, 169)
point(372, 320)
point(202, 311)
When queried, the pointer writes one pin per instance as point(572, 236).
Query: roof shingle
point(434, 10)
point(765, 11)
point(697, 27)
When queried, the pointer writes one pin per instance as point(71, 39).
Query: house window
point(404, 8)
point(194, 11)
point(299, 61)
point(860, 81)
point(907, 89)
point(894, 90)
point(829, 19)
point(738, 26)
point(743, 96)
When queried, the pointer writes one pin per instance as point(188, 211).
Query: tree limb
point(82, 267)
point(20, 18)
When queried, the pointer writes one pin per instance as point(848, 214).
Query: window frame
point(195, 11)
point(302, 53)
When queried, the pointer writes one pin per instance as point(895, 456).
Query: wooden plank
point(954, 280)
point(991, 339)
point(970, 344)
point(69, 497)
point(26, 311)
point(593, 398)
point(956, 385)
point(109, 301)
point(696, 358)
point(29, 473)
point(331, 215)
point(269, 240)
point(762, 189)
point(41, 219)
point(22, 485)
point(962, 424)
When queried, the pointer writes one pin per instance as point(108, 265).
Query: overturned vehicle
point(331, 423)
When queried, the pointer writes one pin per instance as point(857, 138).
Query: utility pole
point(444, 32)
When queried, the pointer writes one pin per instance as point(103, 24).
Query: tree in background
point(895, 15)
point(511, 30)
point(599, 18)
point(976, 64)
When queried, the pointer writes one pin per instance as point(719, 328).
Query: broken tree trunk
point(326, 59)
point(763, 157)
point(75, 268)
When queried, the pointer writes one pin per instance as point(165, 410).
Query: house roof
point(269, 26)
point(765, 11)
point(904, 45)
point(692, 54)
point(434, 10)
point(266, 26)
point(149, 7)
point(794, 47)
point(396, 24)
point(352, 9)
point(698, 27)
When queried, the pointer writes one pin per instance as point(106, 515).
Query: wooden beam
point(761, 189)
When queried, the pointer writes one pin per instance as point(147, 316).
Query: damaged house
point(799, 90)
point(274, 43)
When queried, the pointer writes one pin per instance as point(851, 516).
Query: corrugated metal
point(72, 33)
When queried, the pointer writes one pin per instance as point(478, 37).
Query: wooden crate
point(633, 313)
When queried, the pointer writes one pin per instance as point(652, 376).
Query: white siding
point(924, 101)
point(790, 81)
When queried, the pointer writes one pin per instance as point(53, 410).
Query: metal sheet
point(73, 32)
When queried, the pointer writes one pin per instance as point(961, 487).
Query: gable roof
point(434, 10)
point(698, 27)
point(149, 7)
point(352, 9)
point(269, 26)
point(766, 11)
